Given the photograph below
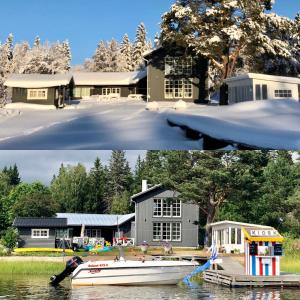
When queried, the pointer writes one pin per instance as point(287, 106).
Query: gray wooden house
point(175, 74)
point(41, 88)
point(39, 232)
point(122, 84)
point(161, 216)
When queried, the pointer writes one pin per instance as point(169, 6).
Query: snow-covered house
point(228, 235)
point(122, 84)
point(175, 74)
point(40, 88)
point(253, 87)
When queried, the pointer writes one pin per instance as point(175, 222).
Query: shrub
point(10, 238)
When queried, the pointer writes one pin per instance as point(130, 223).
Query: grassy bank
point(291, 264)
point(30, 268)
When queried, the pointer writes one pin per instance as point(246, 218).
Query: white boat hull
point(131, 273)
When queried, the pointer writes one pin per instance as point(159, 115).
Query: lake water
point(37, 288)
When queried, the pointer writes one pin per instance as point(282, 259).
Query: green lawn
point(291, 263)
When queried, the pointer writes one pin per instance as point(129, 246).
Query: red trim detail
point(261, 272)
point(274, 266)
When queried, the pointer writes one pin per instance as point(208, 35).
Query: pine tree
point(13, 174)
point(95, 202)
point(113, 56)
point(126, 50)
point(219, 31)
point(120, 177)
point(101, 58)
point(140, 46)
point(37, 42)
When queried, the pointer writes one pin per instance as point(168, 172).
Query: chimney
point(144, 185)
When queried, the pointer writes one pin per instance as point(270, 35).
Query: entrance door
point(107, 234)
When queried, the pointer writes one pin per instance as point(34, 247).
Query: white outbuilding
point(255, 87)
point(228, 235)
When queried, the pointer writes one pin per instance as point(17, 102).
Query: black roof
point(40, 222)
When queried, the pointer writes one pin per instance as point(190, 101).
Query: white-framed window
point(39, 233)
point(178, 88)
point(283, 94)
point(167, 231)
point(176, 232)
point(92, 233)
point(157, 208)
point(178, 65)
point(80, 92)
point(156, 231)
point(108, 91)
point(37, 94)
point(167, 207)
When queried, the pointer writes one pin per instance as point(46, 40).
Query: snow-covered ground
point(124, 124)
point(273, 124)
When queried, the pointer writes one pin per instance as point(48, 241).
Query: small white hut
point(255, 87)
point(228, 235)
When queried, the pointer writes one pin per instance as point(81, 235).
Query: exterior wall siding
point(28, 242)
point(144, 220)
point(20, 95)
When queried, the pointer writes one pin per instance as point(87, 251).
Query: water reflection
point(37, 288)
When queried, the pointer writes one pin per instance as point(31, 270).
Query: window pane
point(166, 231)
point(257, 92)
point(157, 207)
point(265, 92)
point(176, 208)
point(176, 231)
point(239, 236)
point(156, 231)
point(232, 235)
point(167, 207)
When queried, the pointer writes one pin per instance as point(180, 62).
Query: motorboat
point(125, 272)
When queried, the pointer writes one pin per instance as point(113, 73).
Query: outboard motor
point(71, 266)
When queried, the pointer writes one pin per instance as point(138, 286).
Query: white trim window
point(283, 94)
point(40, 233)
point(80, 92)
point(167, 231)
point(108, 91)
point(167, 208)
point(37, 94)
point(178, 88)
point(178, 65)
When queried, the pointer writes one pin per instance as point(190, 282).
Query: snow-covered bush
point(152, 106)
point(180, 105)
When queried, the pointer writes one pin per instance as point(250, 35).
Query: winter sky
point(85, 23)
point(42, 165)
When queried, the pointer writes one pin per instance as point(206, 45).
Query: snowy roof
point(95, 219)
point(108, 78)
point(271, 124)
point(147, 191)
point(37, 80)
point(264, 77)
point(147, 53)
point(226, 222)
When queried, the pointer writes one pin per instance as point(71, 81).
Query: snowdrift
point(273, 124)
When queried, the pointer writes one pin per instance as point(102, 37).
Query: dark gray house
point(175, 74)
point(121, 84)
point(39, 232)
point(161, 216)
point(48, 232)
point(41, 88)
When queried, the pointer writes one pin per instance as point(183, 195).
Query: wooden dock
point(227, 279)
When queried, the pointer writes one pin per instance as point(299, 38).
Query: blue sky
point(86, 22)
point(42, 165)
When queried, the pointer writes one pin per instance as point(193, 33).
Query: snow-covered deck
point(262, 124)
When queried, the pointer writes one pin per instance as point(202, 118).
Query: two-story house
point(161, 216)
point(175, 74)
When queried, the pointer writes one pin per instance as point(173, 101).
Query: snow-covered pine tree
point(126, 49)
point(101, 57)
point(67, 55)
point(113, 56)
point(220, 30)
point(19, 57)
point(6, 57)
point(140, 46)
